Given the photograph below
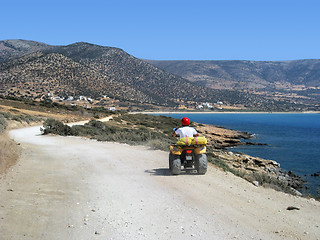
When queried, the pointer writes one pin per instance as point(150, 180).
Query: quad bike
point(190, 154)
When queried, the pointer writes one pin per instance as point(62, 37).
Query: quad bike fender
point(177, 150)
point(200, 150)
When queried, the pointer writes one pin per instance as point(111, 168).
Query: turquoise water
point(293, 139)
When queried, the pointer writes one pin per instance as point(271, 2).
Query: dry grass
point(9, 153)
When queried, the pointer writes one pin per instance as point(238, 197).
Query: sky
point(260, 30)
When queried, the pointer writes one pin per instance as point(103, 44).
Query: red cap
point(185, 121)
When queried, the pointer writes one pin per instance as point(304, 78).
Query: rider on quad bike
point(185, 130)
point(189, 151)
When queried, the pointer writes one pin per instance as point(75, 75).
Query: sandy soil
point(75, 188)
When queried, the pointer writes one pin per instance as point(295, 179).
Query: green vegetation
point(5, 116)
point(222, 164)
point(18, 117)
point(263, 178)
point(159, 123)
point(272, 182)
point(136, 129)
point(56, 127)
point(3, 123)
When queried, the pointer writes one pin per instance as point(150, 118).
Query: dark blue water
point(293, 139)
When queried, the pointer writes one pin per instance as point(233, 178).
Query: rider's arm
point(195, 134)
point(174, 134)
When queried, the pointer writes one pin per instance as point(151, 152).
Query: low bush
point(106, 132)
point(19, 117)
point(56, 127)
point(3, 124)
point(220, 163)
point(160, 123)
point(158, 144)
point(263, 178)
point(272, 182)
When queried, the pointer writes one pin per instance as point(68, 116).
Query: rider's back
point(186, 131)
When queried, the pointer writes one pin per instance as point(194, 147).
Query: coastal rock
point(296, 192)
point(220, 138)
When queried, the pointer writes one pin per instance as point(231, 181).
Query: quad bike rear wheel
point(171, 157)
point(175, 164)
point(201, 163)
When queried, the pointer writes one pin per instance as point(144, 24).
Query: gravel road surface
point(76, 188)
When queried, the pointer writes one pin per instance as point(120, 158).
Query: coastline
point(239, 161)
point(226, 112)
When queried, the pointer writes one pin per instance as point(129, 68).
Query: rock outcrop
point(219, 139)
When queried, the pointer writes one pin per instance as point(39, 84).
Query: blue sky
point(172, 29)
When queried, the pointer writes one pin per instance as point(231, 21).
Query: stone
point(290, 208)
point(256, 183)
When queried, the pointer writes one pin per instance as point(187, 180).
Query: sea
point(293, 139)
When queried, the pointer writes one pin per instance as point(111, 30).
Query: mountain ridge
point(294, 80)
point(257, 68)
point(133, 79)
point(88, 69)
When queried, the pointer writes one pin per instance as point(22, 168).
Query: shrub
point(159, 144)
point(20, 118)
point(160, 123)
point(221, 163)
point(6, 115)
point(106, 132)
point(263, 178)
point(55, 127)
point(272, 182)
point(3, 124)
point(97, 124)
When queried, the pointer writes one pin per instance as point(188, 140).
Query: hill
point(36, 70)
point(292, 80)
point(90, 70)
point(16, 48)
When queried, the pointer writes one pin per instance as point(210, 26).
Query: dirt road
point(75, 188)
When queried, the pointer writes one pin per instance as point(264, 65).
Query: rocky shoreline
point(220, 139)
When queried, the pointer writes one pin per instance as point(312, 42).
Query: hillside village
point(113, 105)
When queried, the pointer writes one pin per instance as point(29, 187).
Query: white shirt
point(185, 132)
